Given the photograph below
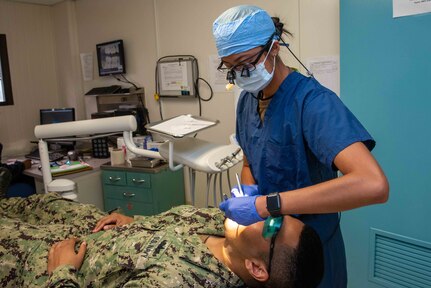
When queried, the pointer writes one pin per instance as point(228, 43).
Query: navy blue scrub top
point(305, 126)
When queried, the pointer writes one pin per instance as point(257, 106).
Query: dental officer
point(295, 135)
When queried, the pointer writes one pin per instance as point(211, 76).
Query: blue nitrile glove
point(242, 210)
point(249, 190)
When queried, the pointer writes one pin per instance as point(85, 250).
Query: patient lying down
point(183, 247)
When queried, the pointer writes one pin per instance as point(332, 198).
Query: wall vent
point(399, 261)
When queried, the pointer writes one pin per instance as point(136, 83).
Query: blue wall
point(386, 82)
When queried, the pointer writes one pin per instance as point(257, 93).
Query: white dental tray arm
point(202, 155)
point(128, 140)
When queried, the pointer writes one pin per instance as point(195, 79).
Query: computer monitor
point(56, 115)
point(110, 58)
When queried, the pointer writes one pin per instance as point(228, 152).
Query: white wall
point(319, 28)
point(133, 21)
point(67, 57)
point(29, 35)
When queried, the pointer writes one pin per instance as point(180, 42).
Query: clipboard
point(181, 126)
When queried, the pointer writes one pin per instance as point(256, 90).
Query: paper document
point(410, 7)
point(181, 125)
point(174, 76)
point(326, 70)
point(87, 66)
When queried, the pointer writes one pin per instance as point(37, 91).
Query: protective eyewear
point(244, 67)
point(271, 227)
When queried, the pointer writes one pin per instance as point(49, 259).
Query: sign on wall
point(410, 7)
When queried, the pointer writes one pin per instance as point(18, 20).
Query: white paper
point(410, 7)
point(327, 71)
point(181, 125)
point(174, 76)
point(217, 79)
point(87, 66)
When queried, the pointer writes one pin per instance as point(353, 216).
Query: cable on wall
point(141, 101)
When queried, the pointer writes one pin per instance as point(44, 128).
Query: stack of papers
point(70, 167)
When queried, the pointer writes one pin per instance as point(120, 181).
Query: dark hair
point(300, 267)
point(279, 30)
point(310, 260)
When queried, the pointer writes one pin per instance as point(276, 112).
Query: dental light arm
point(85, 127)
point(125, 124)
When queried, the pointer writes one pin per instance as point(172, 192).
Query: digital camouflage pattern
point(164, 250)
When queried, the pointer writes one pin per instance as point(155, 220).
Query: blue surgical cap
point(242, 28)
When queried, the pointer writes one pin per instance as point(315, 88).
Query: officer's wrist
point(273, 204)
point(261, 207)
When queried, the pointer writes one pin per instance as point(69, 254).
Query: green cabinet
point(142, 191)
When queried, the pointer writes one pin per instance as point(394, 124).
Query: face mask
point(259, 78)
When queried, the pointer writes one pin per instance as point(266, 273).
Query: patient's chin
point(230, 224)
point(230, 228)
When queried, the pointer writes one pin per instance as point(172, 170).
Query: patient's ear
point(257, 269)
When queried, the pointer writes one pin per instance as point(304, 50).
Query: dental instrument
point(239, 185)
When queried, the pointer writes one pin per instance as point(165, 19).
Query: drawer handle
point(138, 181)
point(114, 179)
point(128, 194)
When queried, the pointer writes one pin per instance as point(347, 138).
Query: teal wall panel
point(385, 66)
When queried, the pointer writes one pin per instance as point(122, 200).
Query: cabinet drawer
point(114, 177)
point(138, 180)
point(129, 208)
point(128, 193)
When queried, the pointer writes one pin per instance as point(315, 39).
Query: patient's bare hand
point(63, 253)
point(111, 221)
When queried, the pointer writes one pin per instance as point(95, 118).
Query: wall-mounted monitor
point(110, 58)
point(56, 115)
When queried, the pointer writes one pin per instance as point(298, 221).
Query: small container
point(72, 155)
point(117, 157)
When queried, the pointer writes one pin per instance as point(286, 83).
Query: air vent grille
point(399, 261)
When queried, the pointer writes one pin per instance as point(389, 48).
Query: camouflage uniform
point(164, 250)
